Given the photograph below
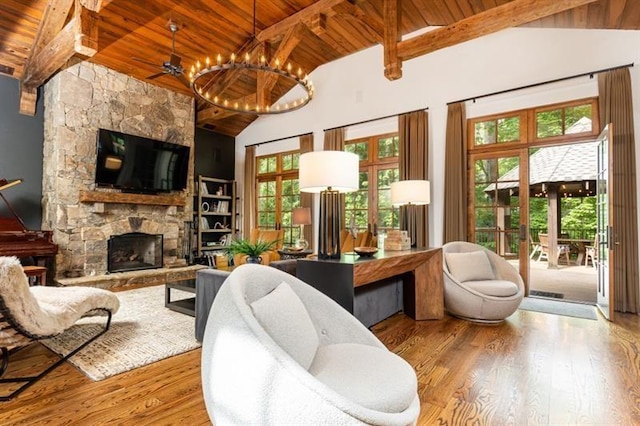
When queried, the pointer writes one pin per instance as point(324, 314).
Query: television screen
point(137, 164)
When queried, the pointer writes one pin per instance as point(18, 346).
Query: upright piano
point(17, 240)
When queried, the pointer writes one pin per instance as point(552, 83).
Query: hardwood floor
point(533, 369)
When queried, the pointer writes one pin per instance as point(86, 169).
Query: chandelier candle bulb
point(219, 59)
point(208, 62)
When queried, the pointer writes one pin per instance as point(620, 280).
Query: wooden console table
point(420, 269)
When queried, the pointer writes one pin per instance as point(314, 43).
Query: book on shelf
point(203, 189)
point(204, 223)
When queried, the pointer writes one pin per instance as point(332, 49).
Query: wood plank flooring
point(533, 369)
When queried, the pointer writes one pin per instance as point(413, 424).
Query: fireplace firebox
point(134, 251)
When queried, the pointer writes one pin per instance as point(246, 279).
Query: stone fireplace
point(78, 101)
point(134, 251)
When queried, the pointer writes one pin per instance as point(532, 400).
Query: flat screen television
point(138, 164)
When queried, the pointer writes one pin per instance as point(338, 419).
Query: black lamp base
point(330, 225)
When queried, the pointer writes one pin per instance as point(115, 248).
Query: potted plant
point(251, 250)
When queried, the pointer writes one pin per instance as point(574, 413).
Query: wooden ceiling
point(308, 33)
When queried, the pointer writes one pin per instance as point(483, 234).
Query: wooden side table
point(39, 273)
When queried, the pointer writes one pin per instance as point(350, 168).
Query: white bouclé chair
point(479, 285)
point(276, 351)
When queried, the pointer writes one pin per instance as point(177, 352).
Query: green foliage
point(579, 213)
point(244, 246)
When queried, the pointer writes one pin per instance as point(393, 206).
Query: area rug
point(578, 310)
point(143, 331)
point(546, 294)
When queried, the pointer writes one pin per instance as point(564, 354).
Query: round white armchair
point(479, 285)
point(277, 351)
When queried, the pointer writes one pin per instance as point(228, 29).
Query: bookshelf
point(214, 214)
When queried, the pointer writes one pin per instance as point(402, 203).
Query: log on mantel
point(124, 198)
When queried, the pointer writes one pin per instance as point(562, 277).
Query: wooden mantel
point(124, 198)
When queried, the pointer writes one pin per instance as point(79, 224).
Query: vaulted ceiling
point(38, 37)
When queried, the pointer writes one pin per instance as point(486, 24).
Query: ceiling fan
point(172, 66)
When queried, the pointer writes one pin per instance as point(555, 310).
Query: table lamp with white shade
point(329, 173)
point(410, 193)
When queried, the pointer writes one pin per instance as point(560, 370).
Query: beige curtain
point(249, 219)
point(306, 198)
point(616, 107)
point(455, 175)
point(414, 164)
point(334, 139)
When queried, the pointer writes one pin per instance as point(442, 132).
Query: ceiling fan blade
point(144, 61)
point(151, 77)
point(175, 60)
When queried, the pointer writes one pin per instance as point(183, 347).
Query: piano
point(17, 240)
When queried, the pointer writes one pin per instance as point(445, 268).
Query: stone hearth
point(78, 101)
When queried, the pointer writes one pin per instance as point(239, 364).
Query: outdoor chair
point(277, 351)
point(29, 314)
point(563, 249)
point(535, 247)
point(591, 252)
point(479, 285)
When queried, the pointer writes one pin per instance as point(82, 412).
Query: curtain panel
point(413, 129)
point(306, 198)
point(455, 175)
point(616, 107)
point(249, 219)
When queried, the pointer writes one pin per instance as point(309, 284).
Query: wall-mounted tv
point(137, 164)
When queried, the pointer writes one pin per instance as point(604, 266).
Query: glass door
point(604, 245)
point(497, 205)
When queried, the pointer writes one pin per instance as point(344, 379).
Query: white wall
point(354, 89)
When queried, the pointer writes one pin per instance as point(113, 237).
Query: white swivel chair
point(479, 285)
point(277, 351)
point(28, 314)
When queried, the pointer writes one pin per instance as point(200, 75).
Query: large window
point(278, 193)
point(370, 206)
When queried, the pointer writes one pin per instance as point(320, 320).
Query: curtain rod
point(473, 98)
point(279, 139)
point(376, 119)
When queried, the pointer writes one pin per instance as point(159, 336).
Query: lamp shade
point(319, 170)
point(416, 192)
point(301, 216)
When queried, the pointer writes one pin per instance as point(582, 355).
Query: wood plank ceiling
point(315, 32)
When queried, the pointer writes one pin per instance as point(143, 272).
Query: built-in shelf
point(125, 198)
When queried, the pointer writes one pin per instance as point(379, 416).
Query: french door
point(604, 229)
point(498, 208)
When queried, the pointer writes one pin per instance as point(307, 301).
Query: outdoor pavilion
point(554, 172)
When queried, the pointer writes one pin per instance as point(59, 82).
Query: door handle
point(523, 232)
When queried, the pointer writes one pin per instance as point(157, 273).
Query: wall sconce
point(301, 216)
point(329, 173)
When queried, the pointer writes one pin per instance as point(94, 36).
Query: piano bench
point(37, 272)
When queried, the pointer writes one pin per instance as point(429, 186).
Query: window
point(497, 130)
point(371, 204)
point(568, 119)
point(278, 193)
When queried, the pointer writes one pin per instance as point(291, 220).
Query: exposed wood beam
point(318, 24)
point(392, 16)
point(215, 113)
point(78, 36)
point(95, 5)
point(53, 19)
point(512, 14)
point(288, 43)
point(279, 28)
point(374, 24)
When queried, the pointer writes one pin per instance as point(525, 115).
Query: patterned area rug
point(143, 331)
point(548, 306)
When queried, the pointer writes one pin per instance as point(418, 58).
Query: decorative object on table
point(252, 250)
point(301, 216)
point(397, 240)
point(246, 72)
point(365, 251)
point(293, 253)
point(329, 173)
point(410, 193)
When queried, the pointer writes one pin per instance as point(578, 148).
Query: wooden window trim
point(595, 122)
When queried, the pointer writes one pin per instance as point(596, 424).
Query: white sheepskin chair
point(28, 314)
point(277, 351)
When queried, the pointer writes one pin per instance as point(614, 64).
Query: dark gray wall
point(215, 154)
point(21, 139)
